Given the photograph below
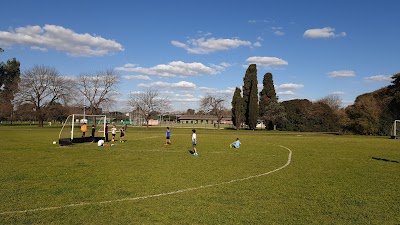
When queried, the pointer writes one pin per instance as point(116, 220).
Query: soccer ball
point(54, 142)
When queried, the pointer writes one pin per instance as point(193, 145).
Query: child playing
point(93, 132)
point(83, 129)
point(167, 136)
point(194, 141)
point(113, 132)
point(106, 132)
point(235, 144)
point(122, 134)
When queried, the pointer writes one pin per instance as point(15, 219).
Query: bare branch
point(42, 86)
point(147, 102)
point(214, 105)
point(99, 89)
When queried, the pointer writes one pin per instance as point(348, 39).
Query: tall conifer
point(237, 108)
point(250, 96)
point(267, 94)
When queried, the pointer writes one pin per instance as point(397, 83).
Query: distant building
point(202, 119)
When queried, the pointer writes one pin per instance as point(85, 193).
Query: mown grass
point(331, 179)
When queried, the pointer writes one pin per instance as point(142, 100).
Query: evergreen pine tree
point(250, 96)
point(267, 94)
point(267, 97)
point(237, 108)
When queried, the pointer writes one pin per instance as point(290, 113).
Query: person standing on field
point(113, 132)
point(122, 134)
point(106, 132)
point(83, 129)
point(167, 136)
point(194, 142)
point(93, 132)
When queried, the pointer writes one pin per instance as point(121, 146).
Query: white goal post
point(395, 132)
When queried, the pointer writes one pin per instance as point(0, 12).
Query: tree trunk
point(40, 117)
point(147, 121)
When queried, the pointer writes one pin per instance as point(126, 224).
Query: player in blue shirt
point(235, 144)
point(167, 136)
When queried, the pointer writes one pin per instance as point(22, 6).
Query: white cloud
point(326, 32)
point(378, 78)
point(136, 77)
point(266, 61)
point(179, 85)
point(185, 99)
point(338, 93)
point(260, 38)
point(289, 86)
point(279, 33)
point(205, 46)
point(39, 48)
point(184, 95)
point(257, 44)
point(61, 39)
point(172, 69)
point(342, 73)
point(228, 91)
point(206, 89)
point(222, 66)
point(178, 44)
point(173, 97)
point(258, 21)
point(225, 64)
point(286, 93)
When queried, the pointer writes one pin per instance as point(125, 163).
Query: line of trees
point(371, 114)
point(41, 92)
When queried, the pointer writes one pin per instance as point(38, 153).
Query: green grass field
point(274, 178)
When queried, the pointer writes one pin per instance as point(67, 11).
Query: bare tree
point(333, 101)
point(99, 89)
point(42, 86)
point(148, 102)
point(214, 104)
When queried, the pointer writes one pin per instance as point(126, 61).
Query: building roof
point(200, 117)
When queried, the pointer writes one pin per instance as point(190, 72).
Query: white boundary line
point(289, 159)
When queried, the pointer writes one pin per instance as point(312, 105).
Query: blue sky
point(184, 49)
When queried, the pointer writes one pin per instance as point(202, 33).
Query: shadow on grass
point(386, 160)
point(191, 152)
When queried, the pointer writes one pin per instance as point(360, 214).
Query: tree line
point(371, 114)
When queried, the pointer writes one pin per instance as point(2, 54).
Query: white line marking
point(157, 195)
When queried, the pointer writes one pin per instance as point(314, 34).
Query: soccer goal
point(71, 130)
point(395, 133)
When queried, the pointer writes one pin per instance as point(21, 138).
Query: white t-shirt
point(194, 138)
point(100, 143)
point(113, 130)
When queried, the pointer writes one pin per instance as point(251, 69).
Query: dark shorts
point(122, 134)
point(168, 137)
point(113, 135)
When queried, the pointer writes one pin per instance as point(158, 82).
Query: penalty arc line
point(289, 159)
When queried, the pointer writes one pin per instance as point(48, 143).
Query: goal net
point(71, 131)
point(395, 132)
